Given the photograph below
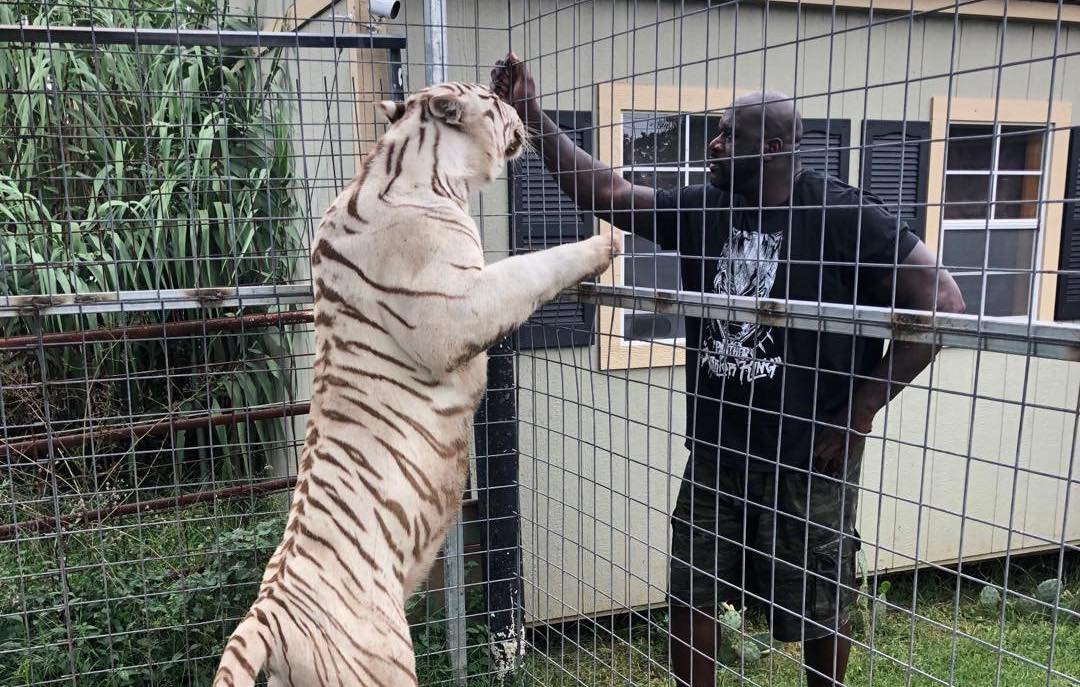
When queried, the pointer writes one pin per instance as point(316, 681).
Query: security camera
point(385, 8)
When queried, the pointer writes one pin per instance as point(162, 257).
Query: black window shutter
point(886, 145)
point(1067, 305)
point(837, 134)
point(544, 216)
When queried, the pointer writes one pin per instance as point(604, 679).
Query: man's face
point(739, 138)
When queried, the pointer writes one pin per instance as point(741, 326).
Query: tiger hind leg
point(246, 652)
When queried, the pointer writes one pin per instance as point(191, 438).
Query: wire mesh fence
point(646, 444)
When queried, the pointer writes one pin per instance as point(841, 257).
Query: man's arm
point(594, 186)
point(921, 284)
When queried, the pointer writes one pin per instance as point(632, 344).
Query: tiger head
point(478, 132)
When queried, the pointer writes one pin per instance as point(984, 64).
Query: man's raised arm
point(594, 186)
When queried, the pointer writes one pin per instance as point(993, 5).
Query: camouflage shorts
point(796, 552)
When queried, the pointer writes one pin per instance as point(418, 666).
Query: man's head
point(757, 142)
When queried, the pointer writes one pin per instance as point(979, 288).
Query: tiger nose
point(518, 141)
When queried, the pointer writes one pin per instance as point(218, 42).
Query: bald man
point(775, 417)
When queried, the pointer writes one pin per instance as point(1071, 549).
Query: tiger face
point(478, 132)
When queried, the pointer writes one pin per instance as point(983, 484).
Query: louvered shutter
point(1068, 287)
point(892, 147)
point(544, 216)
point(834, 160)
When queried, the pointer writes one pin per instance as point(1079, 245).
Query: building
point(882, 85)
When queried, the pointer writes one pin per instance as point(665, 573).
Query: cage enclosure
point(164, 165)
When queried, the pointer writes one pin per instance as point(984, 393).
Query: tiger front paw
point(611, 239)
point(603, 248)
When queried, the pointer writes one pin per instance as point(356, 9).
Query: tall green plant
point(142, 168)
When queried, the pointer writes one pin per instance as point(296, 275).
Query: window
point(1000, 220)
point(991, 215)
point(662, 150)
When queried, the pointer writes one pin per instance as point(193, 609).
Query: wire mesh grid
point(165, 165)
point(963, 525)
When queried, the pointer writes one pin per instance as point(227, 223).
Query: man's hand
point(512, 82)
point(833, 444)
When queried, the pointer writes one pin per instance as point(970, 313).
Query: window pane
point(969, 153)
point(635, 244)
point(1006, 294)
point(651, 138)
point(1021, 149)
point(971, 289)
point(646, 326)
point(651, 271)
point(668, 180)
point(967, 196)
point(1014, 188)
point(703, 128)
point(965, 249)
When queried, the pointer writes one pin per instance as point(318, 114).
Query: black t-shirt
point(751, 389)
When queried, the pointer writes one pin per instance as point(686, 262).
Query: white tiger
point(404, 309)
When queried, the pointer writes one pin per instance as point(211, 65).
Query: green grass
point(150, 602)
point(916, 631)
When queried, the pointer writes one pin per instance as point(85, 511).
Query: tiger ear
point(392, 110)
point(448, 108)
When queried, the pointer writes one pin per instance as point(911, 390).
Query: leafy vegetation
point(429, 625)
point(141, 168)
point(147, 603)
point(152, 602)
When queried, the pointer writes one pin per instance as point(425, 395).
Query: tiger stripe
point(361, 348)
point(397, 168)
point(393, 313)
point(360, 372)
point(325, 249)
point(370, 411)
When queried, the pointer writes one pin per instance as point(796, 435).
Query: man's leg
point(693, 646)
point(705, 566)
point(815, 577)
point(827, 658)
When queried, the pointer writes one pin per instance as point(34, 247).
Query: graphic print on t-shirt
point(747, 267)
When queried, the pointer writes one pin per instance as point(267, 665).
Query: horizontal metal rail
point(154, 299)
point(1003, 335)
point(1039, 339)
point(98, 515)
point(132, 433)
point(91, 35)
point(163, 330)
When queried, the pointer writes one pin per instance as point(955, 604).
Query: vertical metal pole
point(497, 478)
point(454, 562)
point(435, 41)
point(454, 574)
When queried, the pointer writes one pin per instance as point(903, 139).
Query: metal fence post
point(497, 477)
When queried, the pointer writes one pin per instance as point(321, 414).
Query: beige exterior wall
point(601, 452)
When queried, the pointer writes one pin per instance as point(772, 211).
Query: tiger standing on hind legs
point(405, 308)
